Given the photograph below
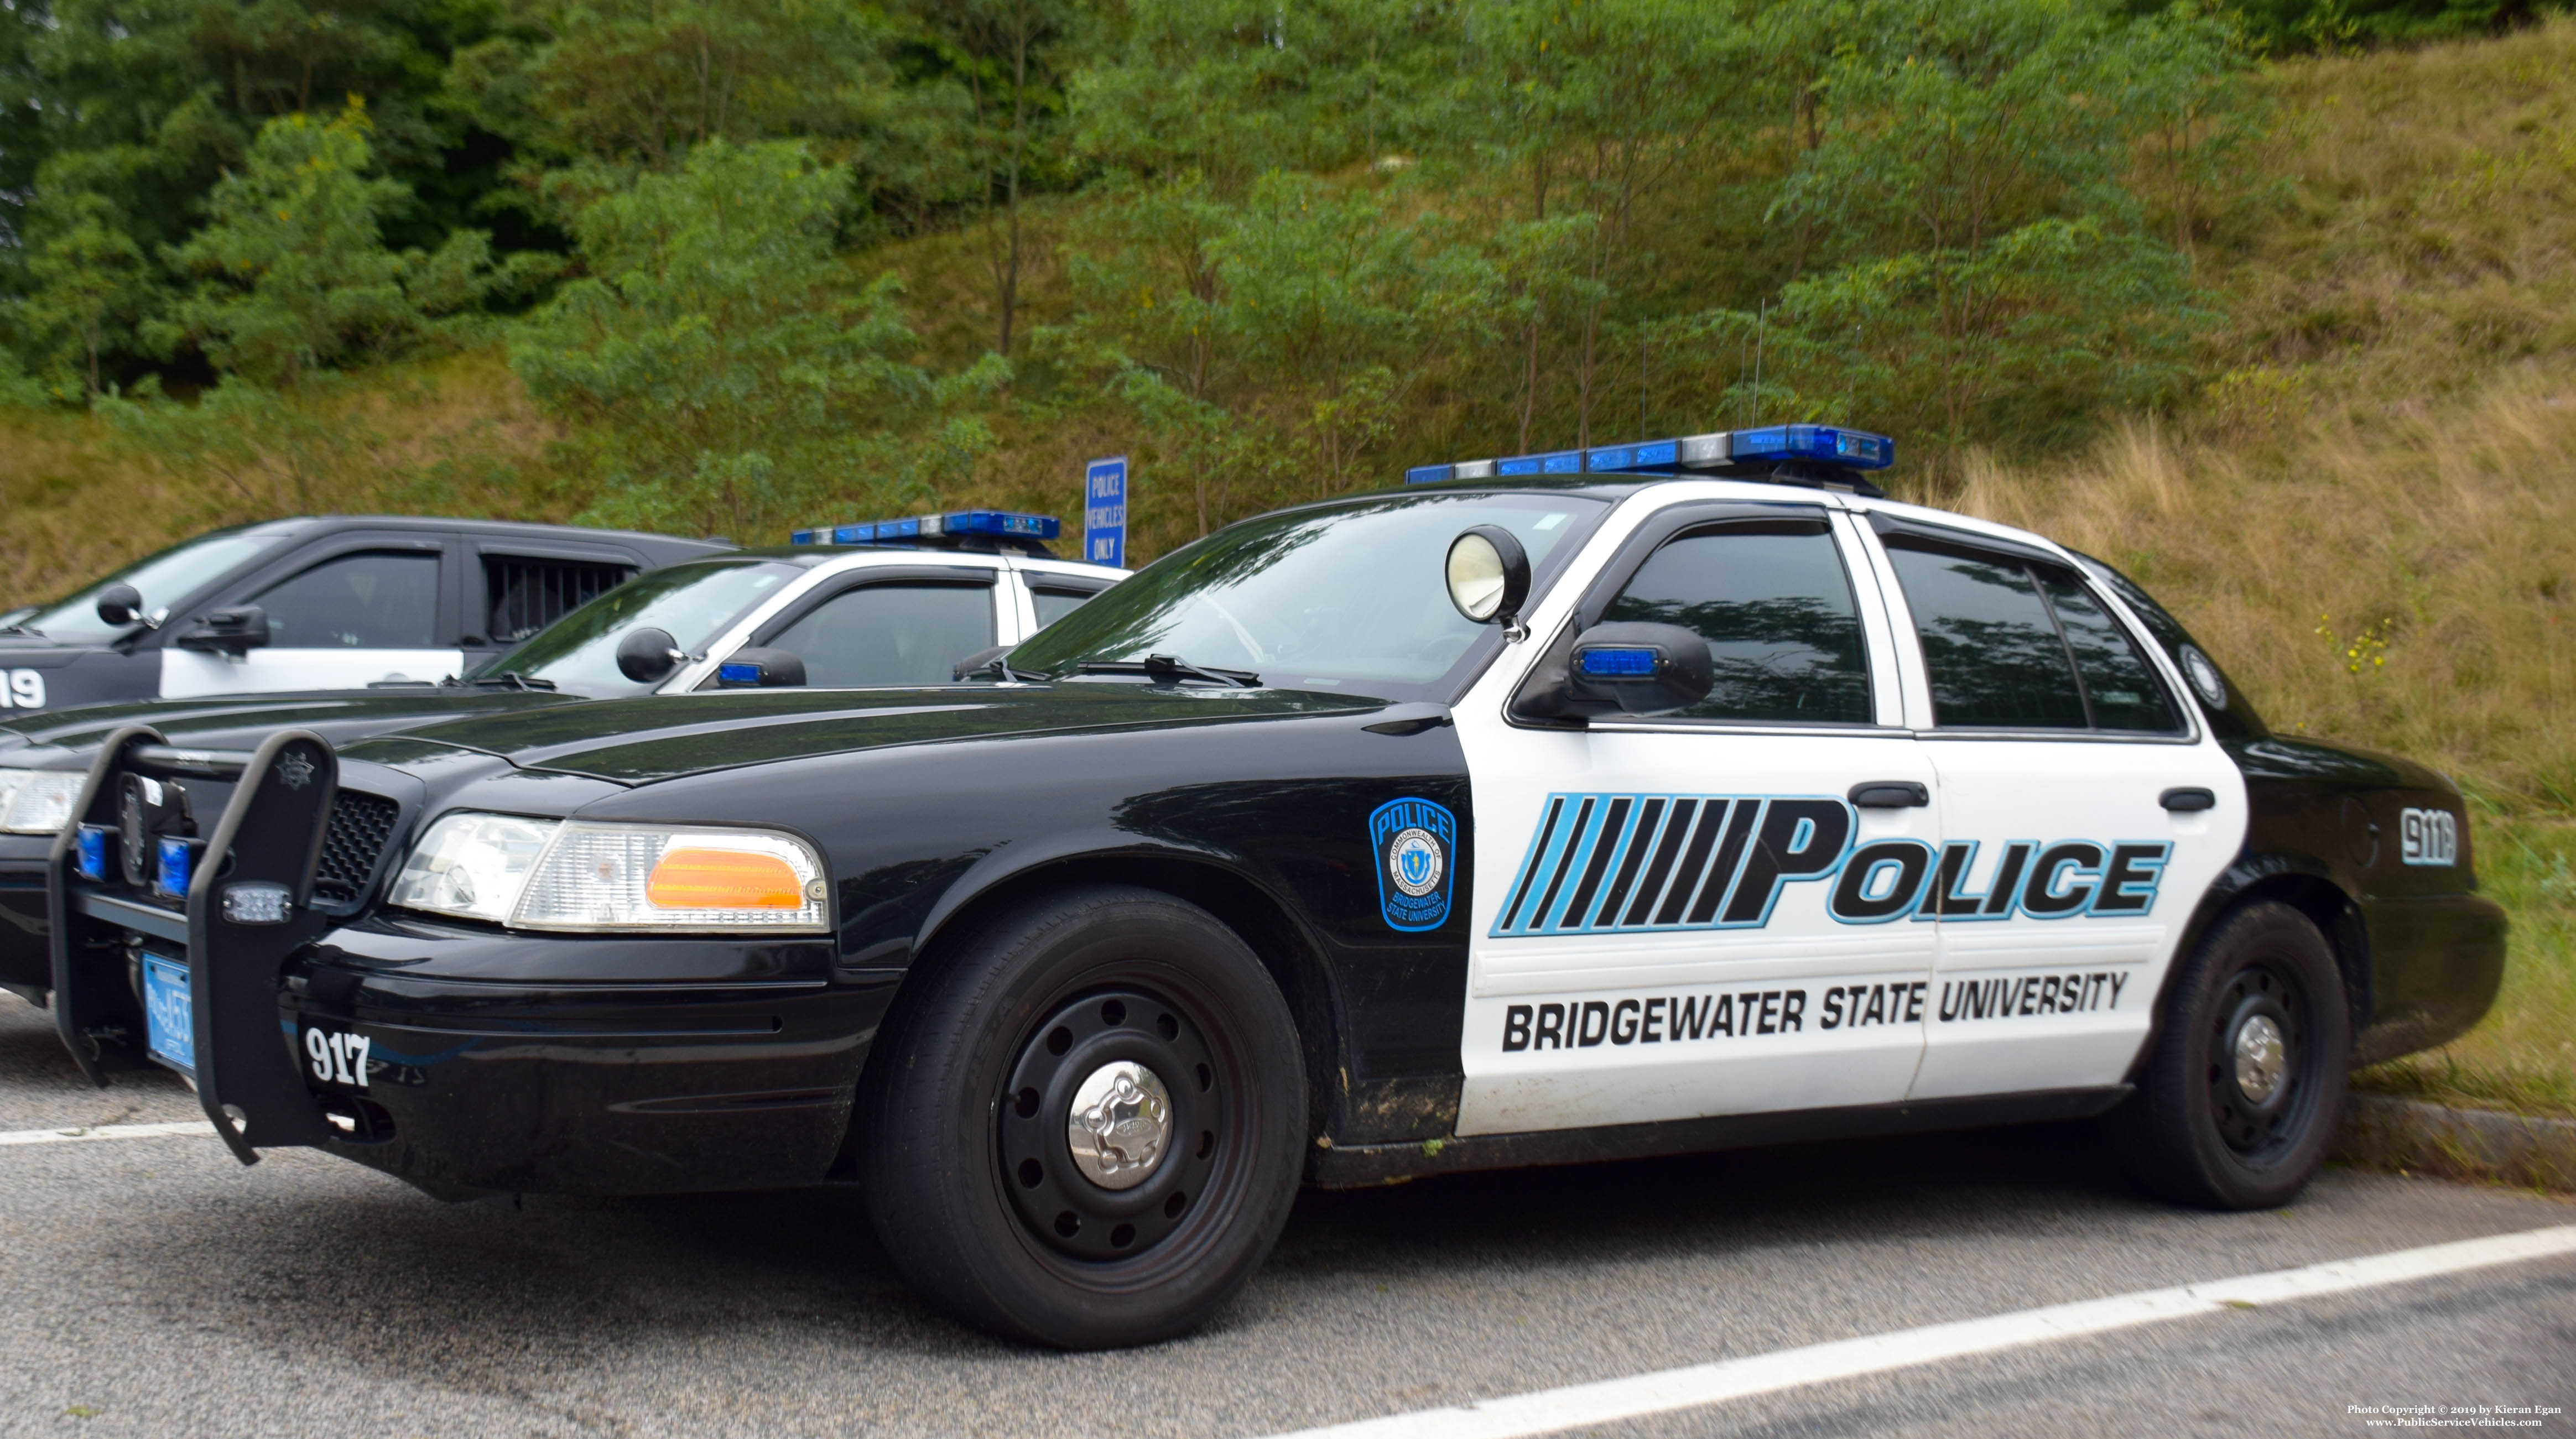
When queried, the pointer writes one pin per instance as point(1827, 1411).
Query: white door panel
point(186, 674)
point(2028, 999)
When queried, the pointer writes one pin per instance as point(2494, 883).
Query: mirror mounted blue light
point(1617, 664)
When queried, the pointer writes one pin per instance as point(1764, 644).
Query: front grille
point(360, 826)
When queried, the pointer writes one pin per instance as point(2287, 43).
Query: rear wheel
point(1083, 1127)
point(2241, 1096)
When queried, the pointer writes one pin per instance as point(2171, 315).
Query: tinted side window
point(1992, 650)
point(1053, 605)
point(523, 596)
point(891, 635)
point(2117, 681)
point(1777, 612)
point(362, 601)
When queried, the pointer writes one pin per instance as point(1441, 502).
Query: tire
point(2211, 1128)
point(965, 1157)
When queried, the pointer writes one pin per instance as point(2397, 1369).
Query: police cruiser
point(1650, 798)
point(335, 602)
point(896, 602)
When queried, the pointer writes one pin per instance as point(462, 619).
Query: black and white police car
point(1652, 798)
point(334, 602)
point(895, 602)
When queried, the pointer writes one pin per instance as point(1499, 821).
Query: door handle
point(1890, 794)
point(2187, 799)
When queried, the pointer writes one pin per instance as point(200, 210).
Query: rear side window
point(890, 635)
point(1055, 604)
point(1776, 610)
point(2014, 645)
point(523, 596)
point(374, 601)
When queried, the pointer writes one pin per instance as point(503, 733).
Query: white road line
point(1580, 1405)
point(104, 1131)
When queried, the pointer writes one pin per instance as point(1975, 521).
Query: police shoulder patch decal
point(1416, 842)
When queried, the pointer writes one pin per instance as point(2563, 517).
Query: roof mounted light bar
point(958, 529)
point(1829, 445)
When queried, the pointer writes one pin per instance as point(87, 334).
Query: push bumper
point(460, 1059)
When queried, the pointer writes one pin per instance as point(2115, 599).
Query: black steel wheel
point(1082, 1125)
point(2239, 1098)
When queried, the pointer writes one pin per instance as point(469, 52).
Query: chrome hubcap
point(2262, 1058)
point(1120, 1126)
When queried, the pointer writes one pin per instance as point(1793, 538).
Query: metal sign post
point(1104, 512)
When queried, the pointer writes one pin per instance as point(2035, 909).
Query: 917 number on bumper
point(332, 1057)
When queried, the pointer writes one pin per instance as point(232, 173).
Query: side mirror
point(754, 668)
point(1620, 669)
point(121, 605)
point(1489, 575)
point(236, 631)
point(647, 656)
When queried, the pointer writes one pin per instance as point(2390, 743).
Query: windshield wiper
point(508, 680)
point(1169, 669)
point(21, 630)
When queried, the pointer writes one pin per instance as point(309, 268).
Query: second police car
point(1653, 798)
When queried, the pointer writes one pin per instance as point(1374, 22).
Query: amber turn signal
point(722, 879)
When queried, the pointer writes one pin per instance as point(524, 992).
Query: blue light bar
point(176, 863)
point(733, 672)
point(90, 851)
point(1854, 449)
point(1617, 664)
point(1006, 523)
point(1824, 444)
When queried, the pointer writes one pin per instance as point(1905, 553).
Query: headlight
point(580, 876)
point(38, 801)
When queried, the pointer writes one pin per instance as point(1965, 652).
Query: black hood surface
point(242, 721)
point(639, 741)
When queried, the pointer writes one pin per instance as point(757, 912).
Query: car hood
point(242, 721)
point(640, 741)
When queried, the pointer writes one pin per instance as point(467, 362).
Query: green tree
point(91, 285)
point(292, 271)
point(717, 366)
point(1995, 274)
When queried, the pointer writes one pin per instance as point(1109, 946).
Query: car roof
point(670, 546)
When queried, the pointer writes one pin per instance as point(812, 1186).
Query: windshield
point(1353, 596)
point(694, 602)
point(163, 580)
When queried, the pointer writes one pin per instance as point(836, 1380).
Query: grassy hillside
point(2369, 512)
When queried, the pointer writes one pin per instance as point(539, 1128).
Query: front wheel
point(1083, 1128)
point(2240, 1097)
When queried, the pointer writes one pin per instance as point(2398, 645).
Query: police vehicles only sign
point(1104, 511)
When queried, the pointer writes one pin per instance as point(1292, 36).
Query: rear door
point(2064, 879)
point(355, 609)
point(514, 588)
point(1688, 915)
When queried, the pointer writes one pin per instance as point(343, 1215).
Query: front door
point(1690, 916)
point(346, 622)
point(2064, 880)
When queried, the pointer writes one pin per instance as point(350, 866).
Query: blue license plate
point(169, 1012)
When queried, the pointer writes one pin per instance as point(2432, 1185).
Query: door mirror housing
point(1620, 669)
point(121, 605)
point(1488, 575)
point(755, 668)
point(647, 656)
point(235, 631)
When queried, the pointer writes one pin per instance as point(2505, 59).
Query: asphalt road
point(155, 1287)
